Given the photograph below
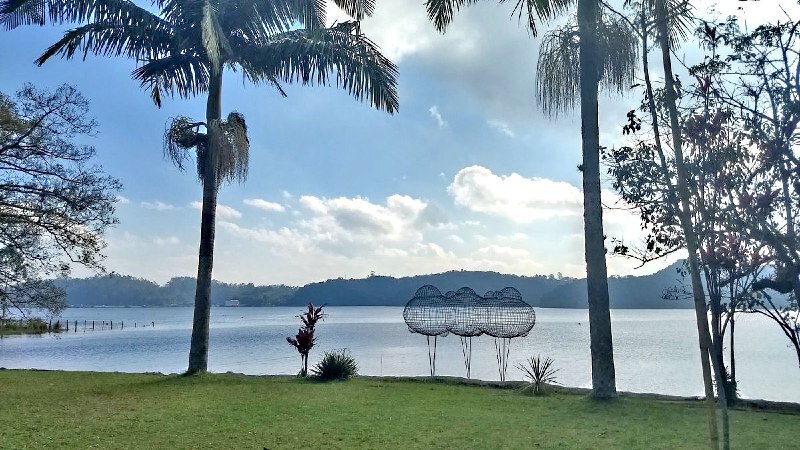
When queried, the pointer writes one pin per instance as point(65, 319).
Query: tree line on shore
point(647, 291)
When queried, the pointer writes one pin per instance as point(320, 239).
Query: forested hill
point(538, 290)
point(120, 290)
point(381, 290)
point(547, 291)
point(625, 292)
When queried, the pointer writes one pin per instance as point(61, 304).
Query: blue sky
point(468, 174)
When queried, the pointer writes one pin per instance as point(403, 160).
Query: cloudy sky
point(468, 175)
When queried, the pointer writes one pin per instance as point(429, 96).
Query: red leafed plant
point(304, 340)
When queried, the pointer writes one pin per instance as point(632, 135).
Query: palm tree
point(185, 48)
point(561, 80)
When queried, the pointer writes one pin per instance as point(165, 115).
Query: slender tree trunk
point(651, 101)
point(684, 216)
point(603, 374)
point(732, 352)
point(198, 353)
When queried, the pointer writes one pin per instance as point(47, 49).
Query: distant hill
point(538, 290)
point(124, 290)
point(389, 291)
point(624, 292)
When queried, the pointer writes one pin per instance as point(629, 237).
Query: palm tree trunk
point(198, 352)
point(603, 374)
point(683, 214)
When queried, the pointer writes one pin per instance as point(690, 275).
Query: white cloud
point(346, 227)
point(122, 200)
point(157, 206)
point(169, 240)
point(456, 238)
point(287, 195)
point(223, 211)
point(355, 221)
point(264, 204)
point(437, 116)
point(514, 197)
point(502, 127)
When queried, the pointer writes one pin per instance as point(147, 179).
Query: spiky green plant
point(540, 372)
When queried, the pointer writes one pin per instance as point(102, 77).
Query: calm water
point(655, 350)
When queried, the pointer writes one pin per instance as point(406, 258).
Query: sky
point(469, 174)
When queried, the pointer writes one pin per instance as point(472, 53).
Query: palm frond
point(558, 71)
point(184, 74)
point(215, 42)
point(357, 9)
point(310, 13)
point(543, 10)
point(14, 13)
point(109, 38)
point(618, 45)
point(441, 12)
point(334, 55)
point(680, 20)
point(262, 17)
point(558, 68)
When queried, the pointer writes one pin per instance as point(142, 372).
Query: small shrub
point(304, 340)
point(335, 365)
point(540, 372)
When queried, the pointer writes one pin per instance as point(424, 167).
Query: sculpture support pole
point(502, 347)
point(466, 350)
point(432, 356)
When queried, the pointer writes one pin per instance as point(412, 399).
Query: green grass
point(95, 410)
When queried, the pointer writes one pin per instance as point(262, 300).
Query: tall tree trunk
point(603, 375)
point(688, 229)
point(733, 383)
point(198, 352)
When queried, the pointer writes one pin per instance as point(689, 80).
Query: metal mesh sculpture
point(500, 314)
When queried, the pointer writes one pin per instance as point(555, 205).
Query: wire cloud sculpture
point(500, 314)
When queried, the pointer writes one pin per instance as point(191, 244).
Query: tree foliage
point(54, 203)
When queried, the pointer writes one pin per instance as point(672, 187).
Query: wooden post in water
point(122, 325)
point(93, 325)
point(75, 329)
point(112, 324)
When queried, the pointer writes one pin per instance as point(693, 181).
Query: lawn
point(105, 410)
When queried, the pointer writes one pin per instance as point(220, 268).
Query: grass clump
point(335, 365)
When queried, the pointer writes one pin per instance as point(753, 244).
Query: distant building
point(232, 302)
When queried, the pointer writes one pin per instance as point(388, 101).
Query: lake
point(654, 350)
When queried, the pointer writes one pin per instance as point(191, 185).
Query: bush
point(335, 365)
point(540, 372)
